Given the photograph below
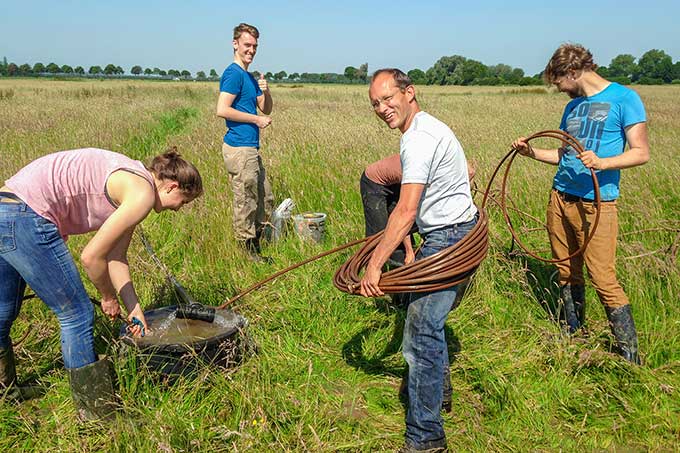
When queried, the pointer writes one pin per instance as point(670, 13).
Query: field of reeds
point(326, 369)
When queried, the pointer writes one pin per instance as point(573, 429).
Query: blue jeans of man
point(32, 251)
point(425, 350)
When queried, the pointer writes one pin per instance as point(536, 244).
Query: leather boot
point(578, 295)
point(623, 328)
point(8, 377)
point(92, 391)
point(568, 309)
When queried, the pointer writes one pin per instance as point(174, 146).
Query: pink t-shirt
point(385, 172)
point(68, 188)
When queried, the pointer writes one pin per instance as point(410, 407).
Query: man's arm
point(549, 156)
point(226, 111)
point(398, 226)
point(637, 154)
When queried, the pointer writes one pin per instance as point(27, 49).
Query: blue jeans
point(425, 350)
point(32, 251)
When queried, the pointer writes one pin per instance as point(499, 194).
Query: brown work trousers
point(569, 224)
point(253, 199)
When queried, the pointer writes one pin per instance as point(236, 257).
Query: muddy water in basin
point(165, 328)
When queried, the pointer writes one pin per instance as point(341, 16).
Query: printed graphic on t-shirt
point(586, 123)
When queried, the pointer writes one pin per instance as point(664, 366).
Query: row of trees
point(458, 70)
point(12, 69)
point(353, 75)
point(653, 67)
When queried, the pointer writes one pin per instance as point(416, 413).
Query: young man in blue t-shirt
point(603, 116)
point(240, 97)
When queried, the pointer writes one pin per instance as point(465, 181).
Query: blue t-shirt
point(599, 123)
point(236, 80)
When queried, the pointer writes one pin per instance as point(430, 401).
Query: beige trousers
point(569, 225)
point(253, 199)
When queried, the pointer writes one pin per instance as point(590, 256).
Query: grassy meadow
point(327, 368)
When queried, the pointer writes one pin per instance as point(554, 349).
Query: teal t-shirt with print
point(599, 123)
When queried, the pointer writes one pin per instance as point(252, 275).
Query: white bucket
point(310, 225)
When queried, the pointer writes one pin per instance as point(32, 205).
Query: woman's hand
point(111, 308)
point(136, 330)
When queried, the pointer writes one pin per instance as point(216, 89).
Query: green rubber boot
point(8, 377)
point(92, 391)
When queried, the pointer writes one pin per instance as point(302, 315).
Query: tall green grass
point(327, 367)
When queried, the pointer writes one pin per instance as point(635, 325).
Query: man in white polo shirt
point(435, 192)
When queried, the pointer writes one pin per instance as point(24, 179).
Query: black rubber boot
point(92, 391)
point(568, 309)
point(623, 328)
point(252, 248)
point(8, 377)
point(578, 295)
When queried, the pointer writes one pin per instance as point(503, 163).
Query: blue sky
point(322, 36)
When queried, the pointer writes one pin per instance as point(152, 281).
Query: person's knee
point(408, 355)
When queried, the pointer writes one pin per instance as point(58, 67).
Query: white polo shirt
point(431, 155)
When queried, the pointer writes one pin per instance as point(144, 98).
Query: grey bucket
point(311, 225)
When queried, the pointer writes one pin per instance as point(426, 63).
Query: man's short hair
point(568, 57)
point(245, 28)
point(400, 78)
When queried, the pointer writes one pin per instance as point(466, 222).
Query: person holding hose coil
point(603, 116)
point(435, 193)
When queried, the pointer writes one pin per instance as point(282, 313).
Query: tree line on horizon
point(654, 67)
point(110, 70)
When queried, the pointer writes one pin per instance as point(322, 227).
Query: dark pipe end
point(196, 311)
